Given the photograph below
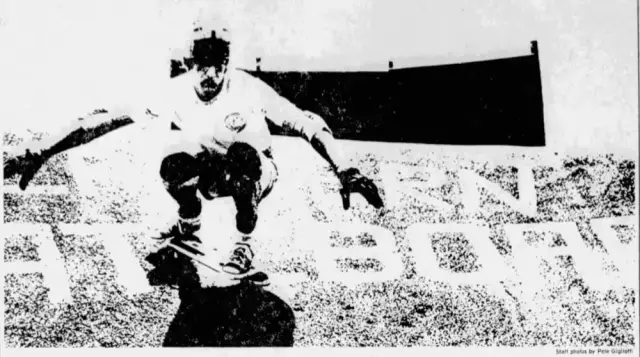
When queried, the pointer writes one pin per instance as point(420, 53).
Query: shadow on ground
point(236, 316)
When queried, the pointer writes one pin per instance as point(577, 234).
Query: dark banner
point(354, 104)
point(496, 102)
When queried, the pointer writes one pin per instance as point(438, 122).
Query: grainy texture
point(408, 310)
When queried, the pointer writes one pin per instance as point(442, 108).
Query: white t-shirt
point(237, 114)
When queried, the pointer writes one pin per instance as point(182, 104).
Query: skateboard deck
point(213, 259)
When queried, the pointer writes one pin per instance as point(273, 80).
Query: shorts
point(209, 170)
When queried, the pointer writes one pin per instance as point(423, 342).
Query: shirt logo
point(235, 122)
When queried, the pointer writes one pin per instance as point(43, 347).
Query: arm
point(308, 125)
point(326, 145)
point(313, 128)
point(82, 131)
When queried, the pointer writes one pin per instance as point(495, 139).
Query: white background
point(59, 59)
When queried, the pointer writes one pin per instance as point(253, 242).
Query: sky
point(69, 56)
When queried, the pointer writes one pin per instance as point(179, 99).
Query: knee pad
point(177, 169)
point(244, 160)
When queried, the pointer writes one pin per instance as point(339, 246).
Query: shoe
point(240, 266)
point(241, 260)
point(183, 227)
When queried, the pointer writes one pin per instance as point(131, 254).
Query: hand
point(354, 182)
point(25, 165)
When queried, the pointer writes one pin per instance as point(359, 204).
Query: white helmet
point(208, 44)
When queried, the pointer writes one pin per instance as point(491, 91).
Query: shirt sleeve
point(148, 110)
point(285, 114)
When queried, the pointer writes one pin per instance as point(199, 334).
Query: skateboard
point(213, 259)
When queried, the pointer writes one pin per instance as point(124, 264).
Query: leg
point(179, 173)
point(251, 176)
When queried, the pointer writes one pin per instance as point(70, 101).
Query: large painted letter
point(400, 180)
point(624, 255)
point(493, 274)
point(130, 272)
point(492, 267)
point(384, 251)
point(527, 257)
point(527, 203)
point(50, 265)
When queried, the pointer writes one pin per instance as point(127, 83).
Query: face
point(209, 79)
point(210, 59)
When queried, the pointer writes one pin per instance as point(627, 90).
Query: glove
point(25, 165)
point(354, 182)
